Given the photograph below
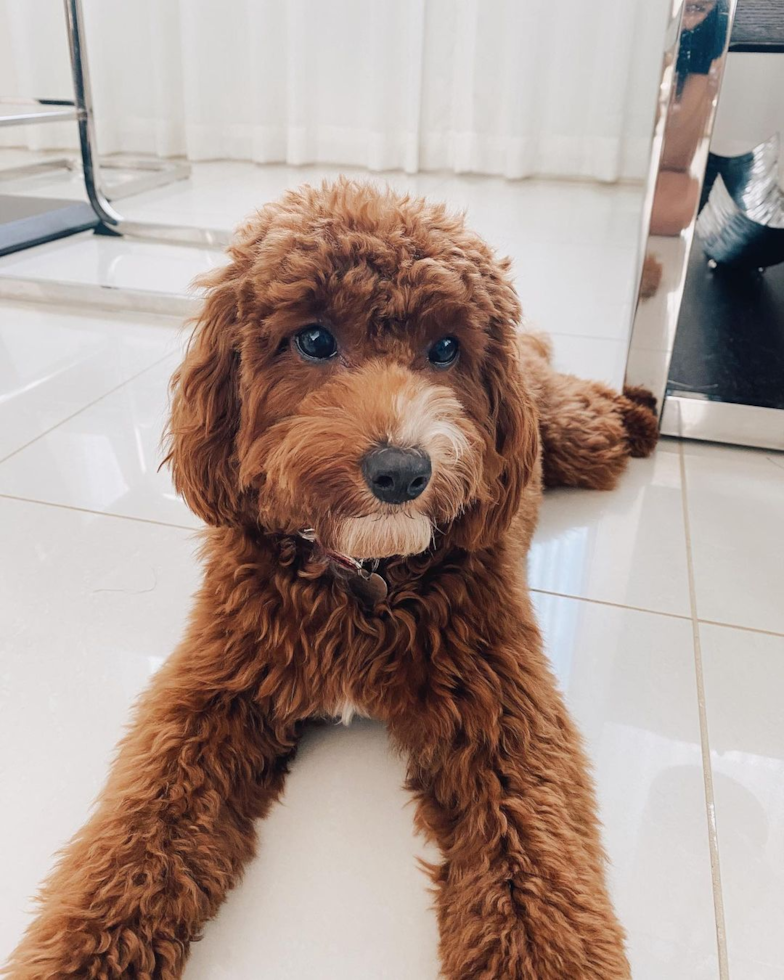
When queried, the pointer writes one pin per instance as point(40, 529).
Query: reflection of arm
point(675, 202)
point(677, 190)
point(687, 120)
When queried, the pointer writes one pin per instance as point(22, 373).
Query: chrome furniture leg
point(36, 111)
point(80, 295)
point(37, 167)
point(684, 123)
point(153, 172)
point(698, 40)
point(111, 219)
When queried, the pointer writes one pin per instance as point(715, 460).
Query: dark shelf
point(27, 221)
point(729, 344)
point(758, 27)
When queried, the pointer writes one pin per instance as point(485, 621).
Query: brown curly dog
point(359, 421)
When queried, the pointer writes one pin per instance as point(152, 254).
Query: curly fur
point(263, 444)
point(588, 430)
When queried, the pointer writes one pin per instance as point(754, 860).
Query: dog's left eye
point(316, 343)
point(443, 351)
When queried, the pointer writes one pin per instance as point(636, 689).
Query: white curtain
point(561, 88)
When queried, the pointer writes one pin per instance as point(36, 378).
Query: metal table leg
point(692, 71)
point(37, 111)
point(684, 123)
point(37, 167)
point(61, 293)
point(153, 172)
point(111, 219)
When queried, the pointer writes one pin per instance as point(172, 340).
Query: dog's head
point(354, 371)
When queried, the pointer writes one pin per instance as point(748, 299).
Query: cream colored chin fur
point(382, 536)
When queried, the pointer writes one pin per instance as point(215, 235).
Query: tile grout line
point(84, 408)
point(653, 612)
point(707, 770)
point(613, 605)
point(99, 513)
point(550, 592)
point(746, 629)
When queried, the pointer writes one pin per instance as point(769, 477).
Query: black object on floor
point(27, 221)
point(729, 345)
point(758, 27)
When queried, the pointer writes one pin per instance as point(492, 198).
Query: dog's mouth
point(400, 532)
point(383, 536)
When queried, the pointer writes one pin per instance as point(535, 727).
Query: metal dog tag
point(371, 588)
point(365, 583)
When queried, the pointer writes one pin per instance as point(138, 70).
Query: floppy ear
point(205, 410)
point(510, 462)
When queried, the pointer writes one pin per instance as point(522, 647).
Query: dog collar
point(363, 578)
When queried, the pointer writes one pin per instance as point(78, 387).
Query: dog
point(366, 431)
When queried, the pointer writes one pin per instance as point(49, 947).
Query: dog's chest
point(345, 710)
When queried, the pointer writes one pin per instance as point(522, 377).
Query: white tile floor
point(662, 604)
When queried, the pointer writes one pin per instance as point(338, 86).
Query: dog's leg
point(588, 430)
point(503, 789)
point(171, 832)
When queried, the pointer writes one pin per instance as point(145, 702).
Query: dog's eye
point(316, 343)
point(443, 352)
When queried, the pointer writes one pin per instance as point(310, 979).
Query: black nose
point(396, 475)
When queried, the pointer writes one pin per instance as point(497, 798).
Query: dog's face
point(354, 372)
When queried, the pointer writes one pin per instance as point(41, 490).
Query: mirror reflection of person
point(703, 33)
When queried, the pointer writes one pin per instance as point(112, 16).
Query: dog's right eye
point(316, 343)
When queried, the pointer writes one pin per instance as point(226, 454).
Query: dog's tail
point(638, 409)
